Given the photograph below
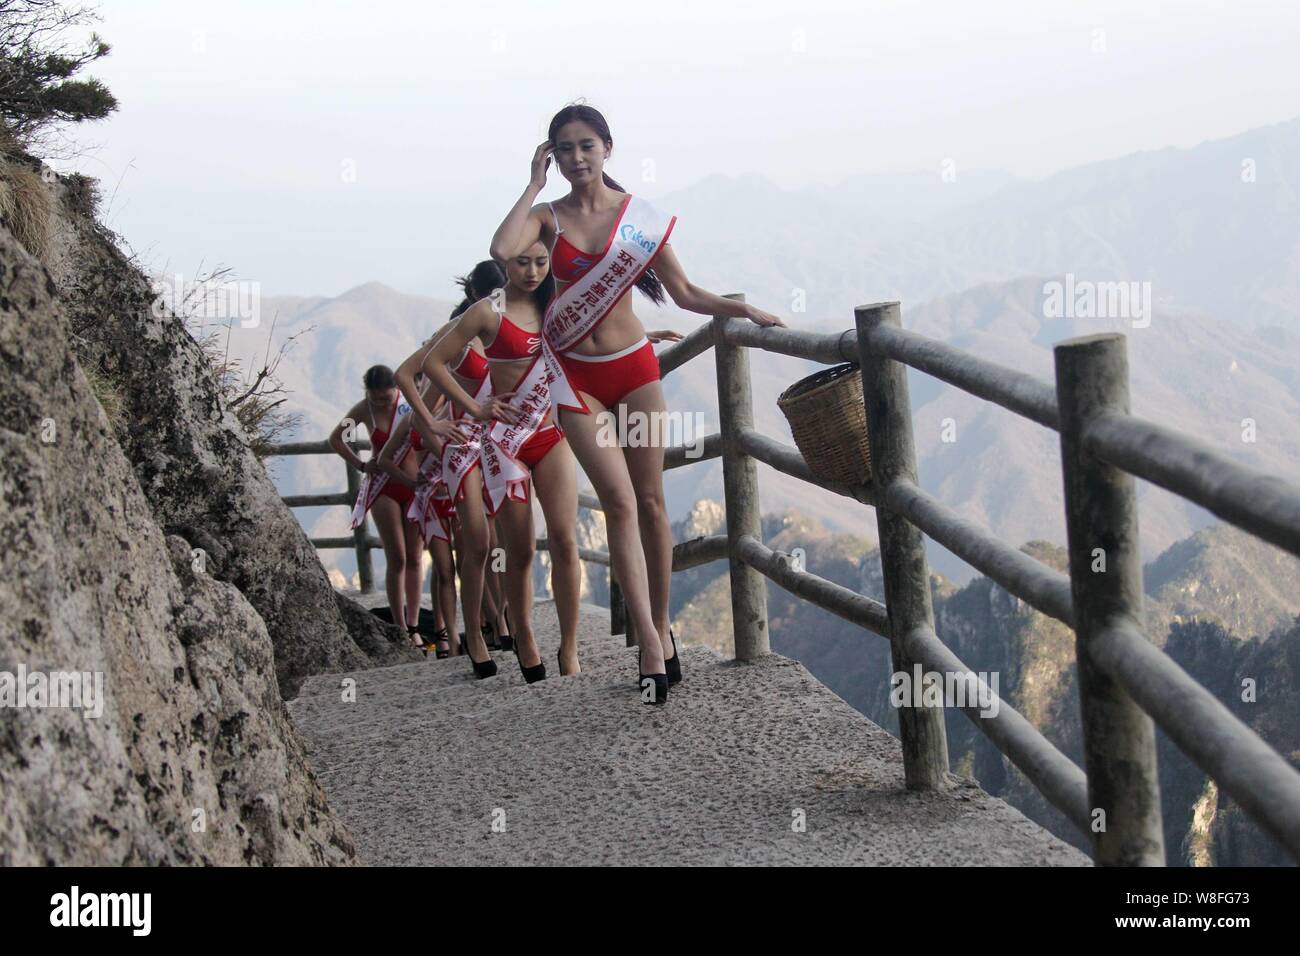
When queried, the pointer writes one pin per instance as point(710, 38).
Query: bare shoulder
point(360, 412)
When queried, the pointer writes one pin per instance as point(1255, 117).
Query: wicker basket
point(829, 423)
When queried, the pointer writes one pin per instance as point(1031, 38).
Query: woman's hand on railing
point(759, 317)
point(664, 335)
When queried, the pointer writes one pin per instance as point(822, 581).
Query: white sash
point(458, 459)
point(573, 315)
point(424, 507)
point(372, 484)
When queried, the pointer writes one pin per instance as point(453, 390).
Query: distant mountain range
point(1214, 228)
point(1222, 345)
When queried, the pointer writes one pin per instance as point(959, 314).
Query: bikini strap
point(558, 230)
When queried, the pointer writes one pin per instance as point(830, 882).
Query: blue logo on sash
point(633, 234)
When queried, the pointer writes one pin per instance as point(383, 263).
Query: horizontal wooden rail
point(1265, 505)
point(827, 595)
point(1247, 768)
point(318, 501)
point(678, 354)
point(1023, 394)
point(697, 551)
point(348, 543)
point(1056, 776)
point(311, 448)
point(829, 348)
point(678, 456)
point(1039, 585)
point(788, 461)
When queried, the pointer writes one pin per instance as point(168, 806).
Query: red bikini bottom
point(398, 492)
point(608, 379)
point(542, 441)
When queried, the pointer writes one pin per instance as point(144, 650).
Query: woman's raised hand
point(541, 163)
point(759, 317)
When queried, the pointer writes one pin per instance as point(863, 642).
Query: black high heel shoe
point(441, 644)
point(531, 674)
point(673, 665)
point(656, 690)
point(504, 639)
point(659, 695)
point(487, 668)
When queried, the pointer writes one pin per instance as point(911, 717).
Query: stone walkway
point(431, 767)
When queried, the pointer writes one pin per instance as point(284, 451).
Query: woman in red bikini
point(608, 358)
point(482, 281)
point(432, 515)
point(401, 538)
point(511, 327)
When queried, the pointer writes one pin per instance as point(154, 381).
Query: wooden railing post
point(618, 619)
point(902, 546)
point(365, 572)
point(1119, 745)
point(740, 491)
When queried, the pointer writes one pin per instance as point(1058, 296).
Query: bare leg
point(645, 464)
point(494, 584)
point(515, 526)
point(444, 598)
point(473, 560)
point(556, 483)
point(414, 571)
point(434, 585)
point(388, 519)
point(607, 470)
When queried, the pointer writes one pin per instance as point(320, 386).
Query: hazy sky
point(240, 122)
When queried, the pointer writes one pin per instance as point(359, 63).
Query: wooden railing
point(1126, 684)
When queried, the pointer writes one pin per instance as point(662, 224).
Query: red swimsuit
point(511, 344)
point(392, 487)
point(606, 378)
point(473, 368)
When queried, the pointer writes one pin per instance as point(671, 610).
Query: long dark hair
point(649, 283)
point(482, 279)
point(488, 276)
point(377, 377)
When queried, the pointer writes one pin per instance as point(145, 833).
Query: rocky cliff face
point(189, 454)
point(193, 759)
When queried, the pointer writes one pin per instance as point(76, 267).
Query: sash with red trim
point(373, 484)
point(639, 234)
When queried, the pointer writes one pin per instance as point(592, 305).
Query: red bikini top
point(512, 342)
point(379, 436)
point(568, 262)
point(471, 365)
